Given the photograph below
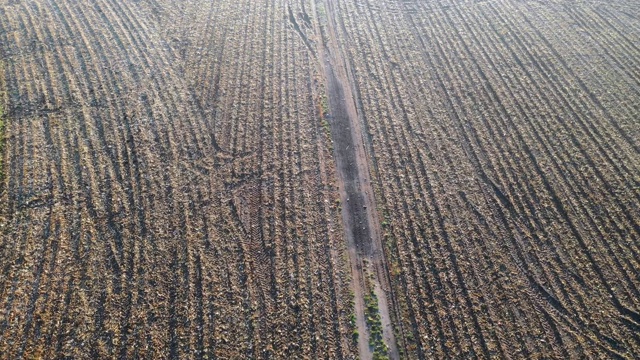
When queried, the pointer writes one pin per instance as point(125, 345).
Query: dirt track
point(360, 218)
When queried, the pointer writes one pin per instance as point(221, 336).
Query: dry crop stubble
point(205, 179)
point(171, 190)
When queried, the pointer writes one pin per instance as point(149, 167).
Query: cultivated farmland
point(313, 179)
point(156, 208)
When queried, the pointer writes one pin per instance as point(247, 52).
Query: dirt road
point(362, 226)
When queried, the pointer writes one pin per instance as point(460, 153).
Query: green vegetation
point(324, 105)
point(325, 126)
point(374, 324)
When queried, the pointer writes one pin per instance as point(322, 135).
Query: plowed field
point(339, 179)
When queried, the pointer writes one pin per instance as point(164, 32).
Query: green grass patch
point(374, 324)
